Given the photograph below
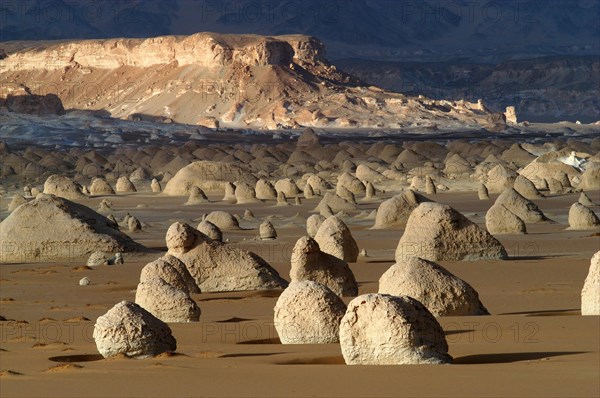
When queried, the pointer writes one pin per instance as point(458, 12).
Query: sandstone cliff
point(227, 80)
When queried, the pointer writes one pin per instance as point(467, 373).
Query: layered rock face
point(229, 80)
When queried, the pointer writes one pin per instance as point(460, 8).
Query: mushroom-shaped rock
point(308, 191)
point(49, 228)
point(317, 184)
point(223, 220)
point(265, 190)
point(166, 302)
point(155, 185)
point(394, 212)
point(430, 188)
point(63, 187)
point(197, 196)
point(125, 185)
point(99, 186)
point(443, 293)
point(525, 209)
point(482, 192)
point(267, 231)
point(171, 270)
point(313, 223)
point(345, 194)
point(334, 237)
point(129, 329)
point(310, 263)
point(133, 224)
point(379, 329)
point(211, 230)
point(244, 193)
point(499, 220)
point(229, 193)
point(438, 232)
point(526, 188)
point(288, 187)
point(369, 190)
point(590, 294)
point(585, 200)
point(282, 199)
point(308, 312)
point(582, 218)
point(219, 268)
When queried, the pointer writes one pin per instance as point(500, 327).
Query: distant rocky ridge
point(223, 80)
point(545, 89)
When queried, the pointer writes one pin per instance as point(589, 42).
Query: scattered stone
point(105, 206)
point(97, 259)
point(308, 313)
point(84, 281)
point(436, 288)
point(130, 330)
point(379, 329)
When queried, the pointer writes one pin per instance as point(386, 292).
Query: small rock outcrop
point(130, 330)
point(334, 237)
point(310, 263)
point(379, 329)
point(590, 294)
point(499, 220)
point(437, 232)
point(443, 293)
point(219, 268)
point(308, 313)
point(582, 218)
point(394, 212)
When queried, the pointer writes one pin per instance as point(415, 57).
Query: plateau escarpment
point(222, 80)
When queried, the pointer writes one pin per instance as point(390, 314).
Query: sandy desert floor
point(535, 343)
